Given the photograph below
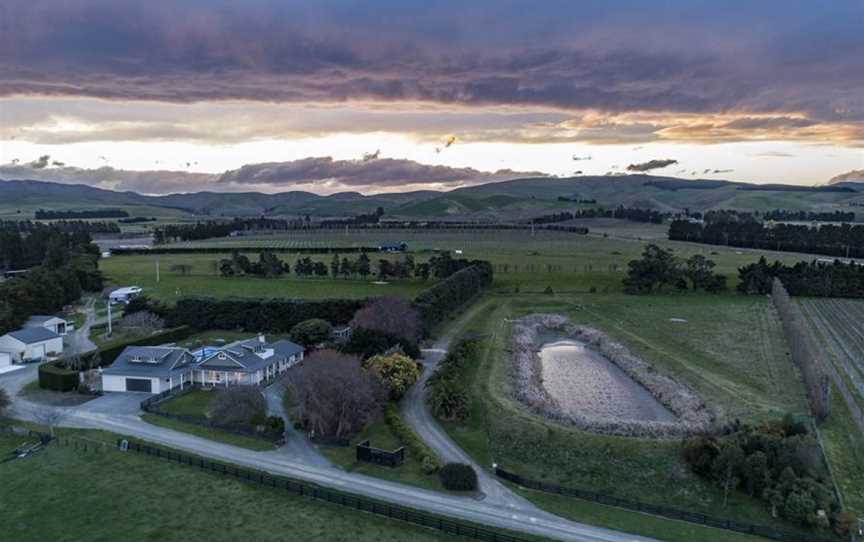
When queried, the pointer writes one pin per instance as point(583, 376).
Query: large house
point(53, 323)
point(30, 344)
point(152, 369)
point(156, 369)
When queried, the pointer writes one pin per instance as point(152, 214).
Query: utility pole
point(109, 316)
point(157, 269)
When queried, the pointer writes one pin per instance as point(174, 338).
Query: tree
point(332, 394)
point(347, 268)
point(5, 402)
point(392, 315)
point(311, 332)
point(239, 406)
point(369, 342)
point(182, 268)
point(397, 372)
point(50, 417)
point(657, 268)
point(334, 266)
point(141, 323)
point(364, 267)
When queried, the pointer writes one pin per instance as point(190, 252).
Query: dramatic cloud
point(321, 175)
point(651, 165)
point(380, 173)
point(849, 176)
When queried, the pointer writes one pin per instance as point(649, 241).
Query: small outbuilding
point(31, 344)
point(52, 323)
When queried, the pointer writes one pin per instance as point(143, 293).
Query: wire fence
point(341, 498)
point(663, 511)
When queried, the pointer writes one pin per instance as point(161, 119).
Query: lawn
point(192, 403)
point(380, 436)
point(110, 495)
point(729, 350)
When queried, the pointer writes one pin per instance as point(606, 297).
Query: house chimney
point(261, 338)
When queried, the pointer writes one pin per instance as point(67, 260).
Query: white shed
point(31, 344)
point(52, 323)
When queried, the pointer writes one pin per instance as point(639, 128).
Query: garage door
point(39, 351)
point(138, 384)
point(5, 359)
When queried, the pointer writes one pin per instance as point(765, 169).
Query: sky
point(396, 95)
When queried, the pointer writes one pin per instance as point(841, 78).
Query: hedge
point(416, 446)
point(253, 315)
point(435, 304)
point(458, 477)
point(54, 377)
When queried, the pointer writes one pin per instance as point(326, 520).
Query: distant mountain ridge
point(515, 198)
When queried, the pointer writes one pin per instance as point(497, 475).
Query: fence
point(664, 511)
point(349, 500)
point(151, 406)
point(389, 458)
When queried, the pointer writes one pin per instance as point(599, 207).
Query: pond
point(585, 383)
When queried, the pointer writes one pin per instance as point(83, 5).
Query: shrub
point(5, 402)
point(369, 342)
point(397, 372)
point(274, 425)
point(416, 446)
point(458, 477)
point(311, 332)
point(52, 377)
point(448, 394)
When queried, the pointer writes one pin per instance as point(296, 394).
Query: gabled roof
point(151, 361)
point(246, 355)
point(33, 335)
point(39, 319)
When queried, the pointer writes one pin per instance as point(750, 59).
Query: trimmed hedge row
point(54, 377)
point(416, 447)
point(162, 249)
point(438, 302)
point(273, 315)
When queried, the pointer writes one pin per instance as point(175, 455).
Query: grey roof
point(158, 361)
point(39, 319)
point(32, 335)
point(243, 356)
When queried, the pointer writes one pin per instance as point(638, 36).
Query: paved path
point(297, 446)
point(79, 341)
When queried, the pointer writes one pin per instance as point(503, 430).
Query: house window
point(222, 355)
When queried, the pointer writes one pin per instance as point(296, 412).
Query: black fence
point(388, 458)
point(664, 511)
point(340, 442)
point(151, 406)
point(349, 500)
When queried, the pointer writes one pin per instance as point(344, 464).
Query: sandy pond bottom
point(584, 382)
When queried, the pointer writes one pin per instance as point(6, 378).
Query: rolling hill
point(508, 199)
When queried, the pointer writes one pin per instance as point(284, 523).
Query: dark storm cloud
point(622, 56)
point(652, 164)
point(381, 173)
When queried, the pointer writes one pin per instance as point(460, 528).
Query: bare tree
point(334, 396)
point(392, 315)
point(141, 323)
point(50, 417)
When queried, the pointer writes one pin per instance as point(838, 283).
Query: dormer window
point(222, 356)
point(136, 358)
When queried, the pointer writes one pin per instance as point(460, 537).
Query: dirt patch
point(594, 396)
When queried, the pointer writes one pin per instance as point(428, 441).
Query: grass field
point(567, 263)
point(730, 350)
point(204, 281)
point(110, 495)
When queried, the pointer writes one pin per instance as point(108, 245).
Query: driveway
point(119, 403)
point(79, 341)
point(297, 446)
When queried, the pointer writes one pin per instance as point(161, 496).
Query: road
point(500, 508)
point(416, 413)
point(296, 446)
